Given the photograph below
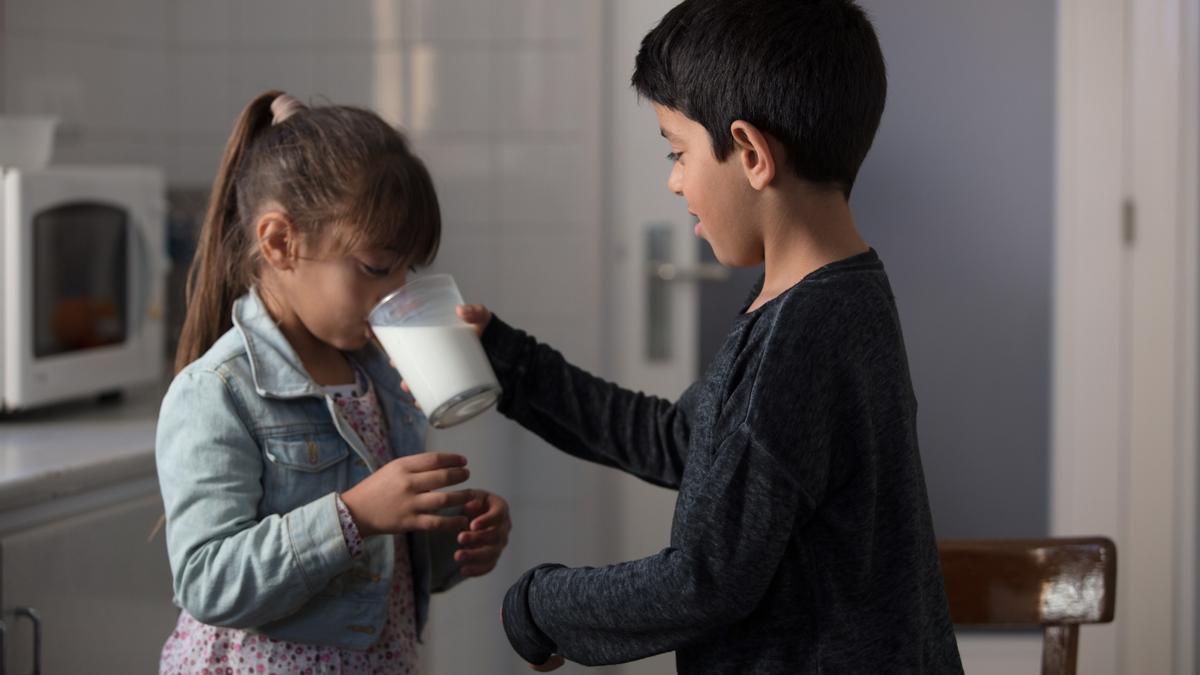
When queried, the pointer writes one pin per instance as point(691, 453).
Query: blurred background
point(1031, 192)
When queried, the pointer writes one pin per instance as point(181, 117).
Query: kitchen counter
point(78, 447)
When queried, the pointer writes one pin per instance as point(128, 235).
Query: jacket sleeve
point(732, 537)
point(586, 416)
point(228, 567)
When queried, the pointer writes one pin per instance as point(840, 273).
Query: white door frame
point(1125, 340)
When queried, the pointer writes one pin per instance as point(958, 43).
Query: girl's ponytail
point(217, 276)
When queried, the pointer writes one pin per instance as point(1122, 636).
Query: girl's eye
point(376, 272)
point(674, 156)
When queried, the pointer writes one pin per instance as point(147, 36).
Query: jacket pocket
point(303, 467)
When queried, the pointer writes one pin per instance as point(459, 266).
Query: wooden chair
point(1054, 584)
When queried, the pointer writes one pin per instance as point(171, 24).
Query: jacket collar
point(275, 366)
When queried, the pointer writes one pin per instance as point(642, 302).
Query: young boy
point(802, 540)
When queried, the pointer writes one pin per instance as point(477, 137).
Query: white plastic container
point(27, 141)
point(437, 354)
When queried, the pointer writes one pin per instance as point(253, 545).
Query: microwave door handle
point(149, 265)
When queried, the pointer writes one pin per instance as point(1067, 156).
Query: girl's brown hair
point(337, 171)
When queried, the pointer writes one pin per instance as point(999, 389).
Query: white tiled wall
point(501, 97)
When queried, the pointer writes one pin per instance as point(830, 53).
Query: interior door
point(657, 282)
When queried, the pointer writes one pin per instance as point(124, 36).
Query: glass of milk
point(437, 353)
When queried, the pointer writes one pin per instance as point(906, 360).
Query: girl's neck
point(325, 364)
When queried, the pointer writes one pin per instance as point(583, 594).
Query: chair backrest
point(1054, 584)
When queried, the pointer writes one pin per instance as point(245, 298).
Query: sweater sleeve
point(586, 416)
point(733, 535)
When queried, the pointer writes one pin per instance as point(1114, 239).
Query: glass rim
point(418, 282)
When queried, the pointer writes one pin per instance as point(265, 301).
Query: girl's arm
point(584, 415)
point(229, 568)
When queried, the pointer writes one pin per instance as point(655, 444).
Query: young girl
point(304, 527)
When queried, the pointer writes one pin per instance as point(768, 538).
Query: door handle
point(661, 272)
point(669, 272)
point(32, 615)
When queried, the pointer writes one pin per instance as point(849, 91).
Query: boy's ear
point(753, 153)
point(278, 240)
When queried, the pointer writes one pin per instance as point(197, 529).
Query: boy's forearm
point(719, 568)
point(616, 614)
point(584, 415)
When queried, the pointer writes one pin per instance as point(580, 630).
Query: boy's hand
point(553, 663)
point(401, 496)
point(476, 315)
point(479, 547)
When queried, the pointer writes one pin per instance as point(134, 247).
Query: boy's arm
point(733, 536)
point(584, 415)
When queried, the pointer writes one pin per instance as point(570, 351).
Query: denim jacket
point(251, 453)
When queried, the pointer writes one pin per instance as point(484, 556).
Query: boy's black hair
point(808, 72)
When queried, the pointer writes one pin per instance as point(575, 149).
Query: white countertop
point(74, 448)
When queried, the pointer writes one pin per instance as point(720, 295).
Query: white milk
point(440, 363)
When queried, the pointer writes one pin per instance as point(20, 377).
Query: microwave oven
point(82, 282)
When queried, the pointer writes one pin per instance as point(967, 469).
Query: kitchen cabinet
point(98, 585)
point(78, 501)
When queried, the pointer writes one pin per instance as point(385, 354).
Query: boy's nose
point(675, 181)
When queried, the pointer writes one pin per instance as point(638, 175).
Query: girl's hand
point(400, 496)
point(477, 315)
point(480, 547)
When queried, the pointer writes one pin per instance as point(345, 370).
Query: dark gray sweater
point(802, 540)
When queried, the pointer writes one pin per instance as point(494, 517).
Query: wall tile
point(144, 21)
point(359, 22)
point(193, 162)
point(575, 334)
point(94, 148)
point(473, 262)
point(559, 532)
point(201, 86)
point(24, 64)
point(275, 22)
point(447, 20)
point(462, 175)
point(543, 186)
point(543, 274)
point(23, 17)
point(536, 90)
point(536, 20)
point(448, 89)
point(90, 71)
point(143, 90)
point(367, 77)
point(206, 22)
point(289, 69)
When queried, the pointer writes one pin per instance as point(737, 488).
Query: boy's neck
point(803, 231)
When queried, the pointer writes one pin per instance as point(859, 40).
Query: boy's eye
point(673, 157)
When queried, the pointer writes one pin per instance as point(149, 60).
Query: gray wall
point(957, 197)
